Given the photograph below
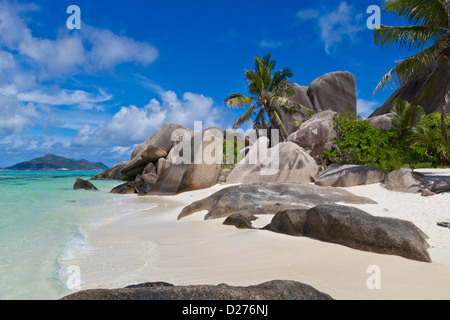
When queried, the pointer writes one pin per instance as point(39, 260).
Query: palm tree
point(269, 94)
point(430, 32)
point(405, 118)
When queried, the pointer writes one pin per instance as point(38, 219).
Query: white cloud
point(89, 50)
point(133, 125)
point(14, 116)
point(109, 50)
point(366, 107)
point(336, 26)
point(82, 99)
point(55, 57)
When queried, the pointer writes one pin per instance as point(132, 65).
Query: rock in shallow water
point(81, 184)
point(274, 290)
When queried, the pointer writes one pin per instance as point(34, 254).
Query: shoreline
point(152, 245)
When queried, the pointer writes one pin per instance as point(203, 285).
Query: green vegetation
point(269, 95)
point(415, 140)
point(232, 153)
point(360, 143)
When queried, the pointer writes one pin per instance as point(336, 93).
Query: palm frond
point(287, 105)
point(411, 37)
point(255, 82)
point(420, 12)
point(244, 118)
point(405, 116)
point(432, 81)
point(237, 100)
point(414, 67)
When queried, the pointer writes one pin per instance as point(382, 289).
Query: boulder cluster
point(285, 179)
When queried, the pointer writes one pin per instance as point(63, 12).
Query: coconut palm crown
point(269, 95)
point(428, 33)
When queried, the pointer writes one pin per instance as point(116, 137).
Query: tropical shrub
point(360, 143)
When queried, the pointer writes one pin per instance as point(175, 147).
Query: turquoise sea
point(41, 223)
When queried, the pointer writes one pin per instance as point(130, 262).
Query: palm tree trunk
point(444, 103)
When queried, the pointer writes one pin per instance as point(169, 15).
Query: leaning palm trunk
point(445, 98)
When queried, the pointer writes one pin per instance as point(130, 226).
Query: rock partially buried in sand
point(241, 220)
point(440, 187)
point(290, 222)
point(81, 184)
point(274, 290)
point(356, 229)
point(345, 176)
point(404, 180)
point(264, 198)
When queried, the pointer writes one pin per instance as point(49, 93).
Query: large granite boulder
point(150, 168)
point(356, 229)
point(198, 169)
point(114, 173)
point(286, 162)
point(359, 230)
point(161, 139)
point(290, 222)
point(81, 184)
point(145, 183)
point(349, 176)
point(274, 290)
point(334, 91)
point(405, 180)
point(411, 91)
point(317, 134)
point(125, 188)
point(162, 165)
point(292, 121)
point(137, 166)
point(382, 122)
point(269, 198)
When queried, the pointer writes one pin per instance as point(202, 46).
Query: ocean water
point(42, 222)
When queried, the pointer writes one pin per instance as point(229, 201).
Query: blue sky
point(96, 92)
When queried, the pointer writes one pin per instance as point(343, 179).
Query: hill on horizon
point(52, 162)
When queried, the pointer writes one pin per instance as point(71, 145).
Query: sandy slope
point(153, 246)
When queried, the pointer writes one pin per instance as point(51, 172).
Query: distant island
point(52, 162)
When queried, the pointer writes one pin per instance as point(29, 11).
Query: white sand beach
point(152, 245)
